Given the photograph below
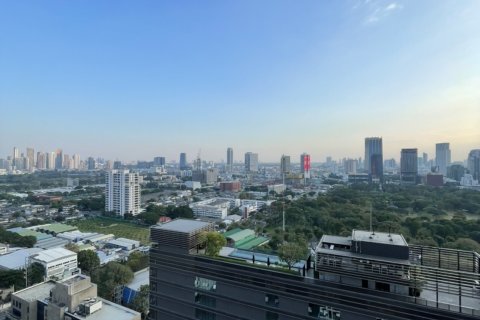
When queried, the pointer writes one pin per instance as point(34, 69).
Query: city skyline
point(183, 80)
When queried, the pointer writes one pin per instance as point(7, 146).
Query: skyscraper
point(31, 159)
point(473, 163)
point(251, 162)
point(409, 165)
point(305, 165)
point(442, 157)
point(159, 161)
point(229, 159)
point(15, 155)
point(374, 157)
point(76, 161)
point(122, 192)
point(41, 161)
point(66, 161)
point(50, 160)
point(183, 161)
point(59, 159)
point(284, 164)
point(91, 163)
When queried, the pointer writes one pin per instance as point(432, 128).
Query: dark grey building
point(374, 157)
point(365, 276)
point(409, 166)
point(229, 160)
point(159, 161)
point(183, 161)
point(473, 163)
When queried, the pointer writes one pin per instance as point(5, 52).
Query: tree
point(292, 252)
point(110, 276)
point(464, 244)
point(88, 261)
point(214, 242)
point(141, 302)
point(35, 273)
point(137, 261)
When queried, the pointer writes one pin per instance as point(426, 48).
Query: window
point(382, 286)
point(271, 315)
point(271, 300)
point(205, 284)
point(323, 312)
point(205, 300)
point(365, 284)
point(204, 315)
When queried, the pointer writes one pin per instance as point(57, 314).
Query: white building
point(59, 263)
point(122, 192)
point(215, 208)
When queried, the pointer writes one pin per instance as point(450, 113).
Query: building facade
point(183, 161)
point(122, 192)
point(409, 166)
point(442, 157)
point(251, 162)
point(229, 160)
point(186, 284)
point(473, 164)
point(374, 157)
point(285, 164)
point(59, 263)
point(305, 165)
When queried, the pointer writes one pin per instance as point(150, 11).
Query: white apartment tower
point(122, 192)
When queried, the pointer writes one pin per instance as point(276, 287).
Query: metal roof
point(183, 225)
point(379, 237)
point(53, 254)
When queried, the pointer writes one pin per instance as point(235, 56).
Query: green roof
point(240, 235)
point(252, 243)
point(230, 232)
point(38, 235)
point(58, 228)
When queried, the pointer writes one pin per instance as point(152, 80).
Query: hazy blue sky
point(136, 79)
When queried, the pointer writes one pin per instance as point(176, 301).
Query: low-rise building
point(59, 263)
point(73, 299)
point(230, 186)
point(123, 243)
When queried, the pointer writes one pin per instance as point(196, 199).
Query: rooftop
point(36, 292)
point(54, 254)
point(336, 240)
point(111, 310)
point(58, 228)
point(17, 259)
point(182, 225)
point(379, 237)
point(140, 278)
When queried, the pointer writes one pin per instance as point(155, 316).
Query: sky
point(131, 80)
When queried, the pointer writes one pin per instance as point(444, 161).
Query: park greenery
point(214, 242)
point(445, 217)
point(292, 252)
point(141, 302)
point(109, 277)
point(153, 213)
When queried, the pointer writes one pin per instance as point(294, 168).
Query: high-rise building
point(350, 166)
point(159, 161)
point(456, 172)
point(205, 176)
point(374, 157)
point(15, 155)
point(91, 163)
point(66, 161)
point(442, 157)
point(76, 161)
point(41, 161)
point(425, 160)
point(285, 164)
point(117, 165)
point(51, 160)
point(122, 192)
point(183, 161)
point(59, 159)
point(305, 165)
point(365, 276)
point(31, 159)
point(251, 162)
point(229, 159)
point(473, 164)
point(409, 165)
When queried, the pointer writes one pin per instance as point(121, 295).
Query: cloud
point(376, 11)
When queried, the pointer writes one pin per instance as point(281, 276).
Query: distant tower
point(59, 159)
point(442, 157)
point(159, 161)
point(15, 155)
point(285, 164)
point(230, 159)
point(409, 166)
point(183, 161)
point(305, 165)
point(31, 159)
point(374, 157)
point(251, 162)
point(473, 163)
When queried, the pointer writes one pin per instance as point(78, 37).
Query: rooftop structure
point(73, 299)
point(180, 233)
point(59, 263)
point(56, 228)
point(17, 260)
